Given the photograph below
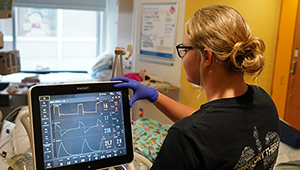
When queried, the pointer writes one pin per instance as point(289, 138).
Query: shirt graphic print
point(249, 160)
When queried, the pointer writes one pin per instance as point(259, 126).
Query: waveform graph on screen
point(80, 127)
point(77, 109)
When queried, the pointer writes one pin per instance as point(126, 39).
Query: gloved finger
point(130, 103)
point(123, 85)
point(132, 100)
point(125, 79)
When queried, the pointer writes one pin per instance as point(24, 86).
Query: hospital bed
point(14, 141)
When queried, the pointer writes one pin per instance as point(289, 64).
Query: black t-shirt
point(233, 133)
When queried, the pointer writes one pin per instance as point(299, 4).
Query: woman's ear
point(208, 56)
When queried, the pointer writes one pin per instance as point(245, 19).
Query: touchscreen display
point(82, 127)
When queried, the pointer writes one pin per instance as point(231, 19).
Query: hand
point(140, 91)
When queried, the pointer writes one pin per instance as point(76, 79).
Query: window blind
point(95, 5)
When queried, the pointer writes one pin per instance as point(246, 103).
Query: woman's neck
point(224, 85)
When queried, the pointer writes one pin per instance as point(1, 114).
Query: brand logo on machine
point(83, 88)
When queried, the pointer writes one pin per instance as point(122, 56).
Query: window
point(6, 29)
point(62, 39)
point(55, 39)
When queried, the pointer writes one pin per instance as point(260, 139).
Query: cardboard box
point(9, 62)
point(15, 61)
point(5, 63)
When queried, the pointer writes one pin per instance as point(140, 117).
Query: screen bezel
point(61, 89)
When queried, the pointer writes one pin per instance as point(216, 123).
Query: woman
point(238, 128)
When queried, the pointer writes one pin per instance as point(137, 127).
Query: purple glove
point(140, 91)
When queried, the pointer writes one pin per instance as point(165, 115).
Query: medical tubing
point(10, 115)
point(13, 112)
point(2, 131)
point(11, 140)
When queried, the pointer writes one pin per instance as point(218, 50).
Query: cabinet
point(292, 114)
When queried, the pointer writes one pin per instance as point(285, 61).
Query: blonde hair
point(226, 33)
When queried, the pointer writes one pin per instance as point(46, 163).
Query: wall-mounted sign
point(158, 28)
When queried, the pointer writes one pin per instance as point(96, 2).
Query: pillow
point(103, 62)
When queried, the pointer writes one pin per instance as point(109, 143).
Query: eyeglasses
point(182, 50)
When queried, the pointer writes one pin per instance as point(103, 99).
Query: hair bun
point(226, 33)
point(248, 56)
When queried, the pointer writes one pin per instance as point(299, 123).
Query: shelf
point(173, 88)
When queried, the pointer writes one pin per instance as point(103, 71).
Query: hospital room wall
point(263, 18)
point(125, 21)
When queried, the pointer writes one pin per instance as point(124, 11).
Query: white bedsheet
point(286, 154)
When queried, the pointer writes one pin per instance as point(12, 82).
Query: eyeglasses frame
point(181, 46)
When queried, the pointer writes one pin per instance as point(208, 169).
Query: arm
point(171, 108)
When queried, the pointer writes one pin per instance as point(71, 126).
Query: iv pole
point(119, 51)
point(1, 40)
